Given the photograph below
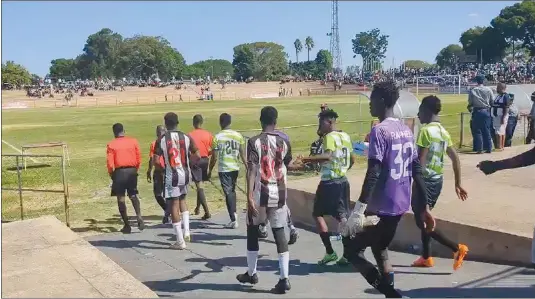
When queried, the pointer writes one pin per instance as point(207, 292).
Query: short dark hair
point(432, 104)
point(160, 129)
point(171, 119)
point(388, 91)
point(480, 79)
point(328, 114)
point(225, 120)
point(197, 120)
point(117, 129)
point(269, 115)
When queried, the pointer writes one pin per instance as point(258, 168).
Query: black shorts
point(124, 180)
point(158, 183)
point(433, 188)
point(378, 237)
point(199, 171)
point(332, 198)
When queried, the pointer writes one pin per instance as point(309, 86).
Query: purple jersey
point(282, 135)
point(392, 143)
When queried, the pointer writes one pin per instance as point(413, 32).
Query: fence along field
point(86, 131)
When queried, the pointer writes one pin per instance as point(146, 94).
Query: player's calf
point(253, 246)
point(284, 261)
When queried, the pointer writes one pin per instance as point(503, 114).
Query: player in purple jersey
point(386, 193)
point(294, 235)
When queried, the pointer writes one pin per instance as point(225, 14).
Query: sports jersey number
point(345, 152)
point(229, 146)
point(267, 169)
point(401, 168)
point(174, 158)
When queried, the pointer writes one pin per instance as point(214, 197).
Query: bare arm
point(352, 160)
point(456, 163)
point(422, 155)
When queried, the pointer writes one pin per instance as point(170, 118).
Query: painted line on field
point(17, 150)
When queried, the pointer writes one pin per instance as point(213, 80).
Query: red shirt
point(122, 152)
point(203, 140)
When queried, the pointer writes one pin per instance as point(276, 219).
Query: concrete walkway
point(210, 264)
point(42, 258)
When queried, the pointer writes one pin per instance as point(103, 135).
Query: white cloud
point(473, 15)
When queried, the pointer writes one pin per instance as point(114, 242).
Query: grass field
point(87, 130)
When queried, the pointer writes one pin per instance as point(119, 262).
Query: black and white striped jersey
point(270, 153)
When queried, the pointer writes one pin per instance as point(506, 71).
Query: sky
point(36, 32)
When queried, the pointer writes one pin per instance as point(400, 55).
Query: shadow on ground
point(111, 225)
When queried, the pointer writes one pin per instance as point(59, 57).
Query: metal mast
point(335, 40)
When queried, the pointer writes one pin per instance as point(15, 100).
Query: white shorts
point(175, 192)
point(277, 217)
point(497, 124)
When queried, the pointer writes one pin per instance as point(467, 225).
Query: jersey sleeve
point(214, 143)
point(447, 138)
point(423, 140)
point(253, 157)
point(378, 144)
point(242, 140)
point(328, 143)
point(288, 156)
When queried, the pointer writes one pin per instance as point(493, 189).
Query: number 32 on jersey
point(404, 154)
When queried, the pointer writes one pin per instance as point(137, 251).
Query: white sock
point(185, 221)
point(284, 264)
point(178, 232)
point(252, 259)
point(236, 217)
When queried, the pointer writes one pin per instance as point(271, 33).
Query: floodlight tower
point(335, 40)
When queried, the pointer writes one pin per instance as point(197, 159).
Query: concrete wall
point(484, 244)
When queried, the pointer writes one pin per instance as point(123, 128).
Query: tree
point(516, 51)
point(370, 44)
point(447, 57)
point(298, 48)
point(148, 56)
point(517, 23)
point(216, 68)
point(62, 68)
point(417, 64)
point(487, 43)
point(101, 52)
point(324, 62)
point(261, 60)
point(15, 74)
point(309, 44)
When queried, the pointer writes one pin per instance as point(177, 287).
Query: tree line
point(107, 54)
point(510, 36)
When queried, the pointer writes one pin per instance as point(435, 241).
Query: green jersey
point(434, 137)
point(339, 144)
point(226, 145)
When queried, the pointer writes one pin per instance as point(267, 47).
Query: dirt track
point(151, 95)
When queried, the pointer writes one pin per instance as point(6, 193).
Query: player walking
point(332, 195)
point(268, 156)
point(228, 147)
point(386, 192)
point(173, 154)
point(199, 172)
point(294, 235)
point(157, 177)
point(434, 142)
point(123, 159)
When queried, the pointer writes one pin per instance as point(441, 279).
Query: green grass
point(87, 130)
